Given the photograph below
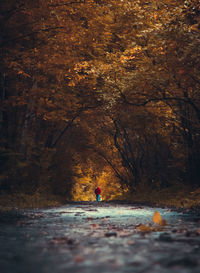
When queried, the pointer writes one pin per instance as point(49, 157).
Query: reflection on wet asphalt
point(98, 237)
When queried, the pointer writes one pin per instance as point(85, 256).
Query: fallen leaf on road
point(145, 228)
point(78, 259)
point(89, 218)
point(131, 242)
point(94, 225)
point(124, 233)
point(63, 240)
point(158, 219)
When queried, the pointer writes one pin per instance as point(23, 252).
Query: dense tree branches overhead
point(125, 63)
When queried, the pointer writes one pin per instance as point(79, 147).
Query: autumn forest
point(99, 93)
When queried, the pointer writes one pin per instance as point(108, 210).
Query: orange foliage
point(158, 219)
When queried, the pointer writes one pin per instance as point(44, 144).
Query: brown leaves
point(62, 240)
point(21, 72)
point(78, 259)
point(197, 191)
point(89, 218)
point(131, 242)
point(95, 226)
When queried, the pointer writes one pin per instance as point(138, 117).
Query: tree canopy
point(99, 92)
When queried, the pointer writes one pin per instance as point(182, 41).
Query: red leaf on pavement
point(78, 259)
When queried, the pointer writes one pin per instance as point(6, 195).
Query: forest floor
point(88, 237)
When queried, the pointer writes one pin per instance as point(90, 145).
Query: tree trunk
point(2, 97)
point(27, 123)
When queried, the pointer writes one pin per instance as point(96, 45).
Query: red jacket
point(97, 190)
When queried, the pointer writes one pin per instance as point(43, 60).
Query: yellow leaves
point(81, 71)
point(21, 72)
point(108, 34)
point(77, 78)
point(103, 67)
point(194, 28)
point(109, 18)
point(129, 54)
point(80, 66)
point(17, 68)
point(71, 83)
point(155, 16)
point(136, 49)
point(144, 228)
point(157, 219)
point(159, 50)
point(124, 58)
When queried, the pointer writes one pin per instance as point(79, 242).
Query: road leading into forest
point(98, 237)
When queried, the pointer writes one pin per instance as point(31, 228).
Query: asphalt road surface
point(99, 238)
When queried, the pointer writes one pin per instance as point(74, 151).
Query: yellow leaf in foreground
point(145, 228)
point(158, 219)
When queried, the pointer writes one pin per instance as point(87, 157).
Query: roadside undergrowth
point(22, 201)
point(176, 196)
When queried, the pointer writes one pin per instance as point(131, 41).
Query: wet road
point(94, 238)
